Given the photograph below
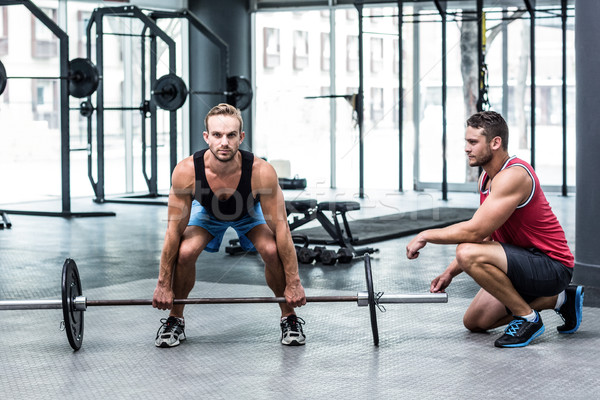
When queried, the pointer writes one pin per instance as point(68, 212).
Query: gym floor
point(233, 351)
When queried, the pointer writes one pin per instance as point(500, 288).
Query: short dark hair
point(493, 125)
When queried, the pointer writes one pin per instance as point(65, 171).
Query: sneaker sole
point(165, 345)
point(535, 335)
point(293, 343)
point(578, 310)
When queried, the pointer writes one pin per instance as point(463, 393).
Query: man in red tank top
point(513, 246)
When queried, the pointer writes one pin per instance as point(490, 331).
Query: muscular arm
point(265, 183)
point(511, 187)
point(178, 215)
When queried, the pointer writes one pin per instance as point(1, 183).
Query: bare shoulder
point(184, 175)
point(263, 175)
point(514, 180)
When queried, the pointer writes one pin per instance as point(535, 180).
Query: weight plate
point(170, 92)
point(372, 305)
point(240, 90)
point(83, 77)
point(71, 288)
point(3, 78)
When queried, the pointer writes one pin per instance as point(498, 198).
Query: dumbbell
point(303, 253)
point(345, 255)
point(329, 257)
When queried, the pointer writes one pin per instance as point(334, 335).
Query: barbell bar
point(83, 77)
point(86, 109)
point(73, 303)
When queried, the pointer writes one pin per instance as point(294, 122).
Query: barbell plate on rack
point(372, 305)
point(3, 78)
point(170, 92)
point(239, 92)
point(83, 77)
point(73, 319)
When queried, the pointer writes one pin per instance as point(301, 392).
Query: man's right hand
point(440, 283)
point(163, 298)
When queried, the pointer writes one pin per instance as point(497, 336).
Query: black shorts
point(534, 274)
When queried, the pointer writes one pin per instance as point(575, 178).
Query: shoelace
point(293, 323)
point(514, 326)
point(168, 324)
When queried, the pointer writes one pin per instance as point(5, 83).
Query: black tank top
point(239, 203)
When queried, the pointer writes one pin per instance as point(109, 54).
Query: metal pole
point(531, 9)
point(153, 183)
point(360, 105)
point(81, 303)
point(505, 95)
point(30, 304)
point(400, 97)
point(100, 109)
point(442, 12)
point(332, 101)
point(480, 55)
point(564, 96)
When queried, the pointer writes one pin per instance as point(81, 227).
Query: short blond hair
point(224, 109)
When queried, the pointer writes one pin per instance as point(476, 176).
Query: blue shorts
point(200, 217)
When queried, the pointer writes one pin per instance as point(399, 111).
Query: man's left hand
point(294, 295)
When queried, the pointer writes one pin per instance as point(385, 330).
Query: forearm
point(287, 254)
point(453, 269)
point(462, 232)
point(168, 258)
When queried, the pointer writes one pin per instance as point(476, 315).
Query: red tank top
point(532, 224)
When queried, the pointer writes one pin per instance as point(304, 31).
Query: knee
point(472, 324)
point(268, 252)
point(188, 254)
point(466, 256)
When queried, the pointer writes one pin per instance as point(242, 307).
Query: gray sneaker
point(171, 332)
point(291, 331)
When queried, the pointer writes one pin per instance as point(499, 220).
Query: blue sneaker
point(572, 310)
point(520, 332)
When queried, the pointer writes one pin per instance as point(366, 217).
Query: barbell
point(73, 303)
point(170, 92)
point(83, 77)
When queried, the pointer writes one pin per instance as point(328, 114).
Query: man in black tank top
point(215, 189)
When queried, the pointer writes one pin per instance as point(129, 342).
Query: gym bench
point(310, 209)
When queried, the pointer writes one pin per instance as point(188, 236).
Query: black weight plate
point(372, 306)
point(240, 90)
point(71, 288)
point(3, 78)
point(170, 92)
point(83, 77)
